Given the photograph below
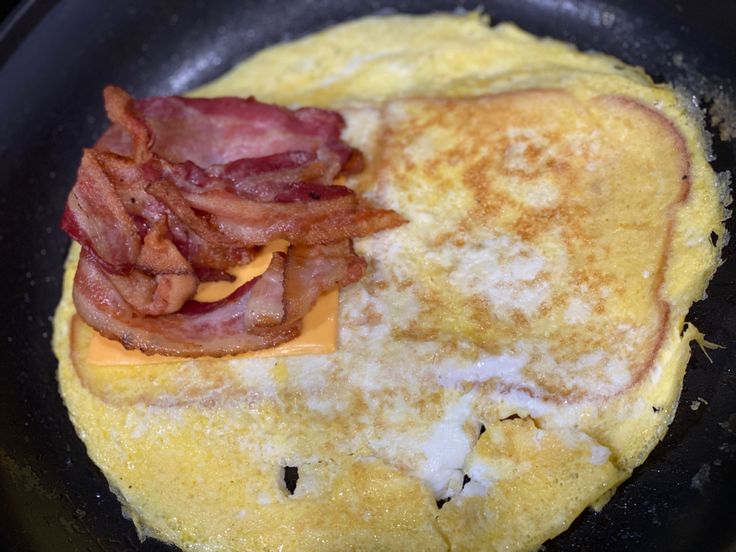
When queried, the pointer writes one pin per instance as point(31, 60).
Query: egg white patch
point(503, 270)
point(577, 311)
point(446, 449)
point(599, 454)
point(481, 475)
point(256, 376)
point(506, 366)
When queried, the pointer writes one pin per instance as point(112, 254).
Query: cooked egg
point(512, 353)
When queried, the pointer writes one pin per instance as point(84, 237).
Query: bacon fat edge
point(180, 190)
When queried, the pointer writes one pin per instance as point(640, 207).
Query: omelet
point(512, 354)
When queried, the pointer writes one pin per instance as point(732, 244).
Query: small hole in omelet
point(714, 238)
point(482, 430)
point(291, 476)
point(441, 502)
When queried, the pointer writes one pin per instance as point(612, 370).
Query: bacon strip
point(123, 113)
point(236, 324)
point(96, 218)
point(210, 132)
point(162, 281)
point(312, 270)
point(180, 190)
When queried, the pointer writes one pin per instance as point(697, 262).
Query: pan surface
point(56, 58)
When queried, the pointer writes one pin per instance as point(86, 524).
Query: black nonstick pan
point(57, 56)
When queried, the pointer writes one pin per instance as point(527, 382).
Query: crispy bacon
point(211, 132)
point(255, 223)
point(96, 218)
point(244, 321)
point(312, 270)
point(162, 280)
point(180, 190)
point(261, 178)
point(123, 113)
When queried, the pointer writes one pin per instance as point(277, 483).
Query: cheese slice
point(319, 332)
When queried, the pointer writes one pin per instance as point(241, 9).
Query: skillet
point(57, 55)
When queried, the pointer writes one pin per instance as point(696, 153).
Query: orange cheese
point(319, 332)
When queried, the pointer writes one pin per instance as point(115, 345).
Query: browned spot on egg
point(415, 332)
point(371, 316)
